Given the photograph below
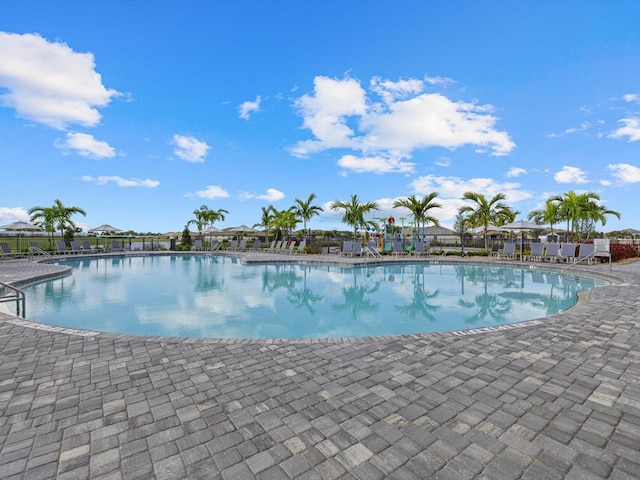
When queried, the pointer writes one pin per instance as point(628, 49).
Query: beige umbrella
point(105, 228)
point(20, 227)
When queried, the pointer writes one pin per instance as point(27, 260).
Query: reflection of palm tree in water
point(420, 302)
point(355, 299)
point(487, 304)
point(304, 297)
point(275, 277)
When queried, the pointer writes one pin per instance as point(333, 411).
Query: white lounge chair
point(301, 247)
point(356, 249)
point(347, 248)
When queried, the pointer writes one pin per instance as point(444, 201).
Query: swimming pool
point(219, 297)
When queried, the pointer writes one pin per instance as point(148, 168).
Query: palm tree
point(354, 213)
point(486, 212)
point(420, 209)
point(549, 214)
point(266, 219)
point(581, 211)
point(306, 211)
point(283, 222)
point(56, 217)
point(44, 217)
point(206, 217)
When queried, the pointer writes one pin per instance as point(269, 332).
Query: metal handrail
point(17, 296)
point(587, 257)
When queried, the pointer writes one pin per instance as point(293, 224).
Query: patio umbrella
point(242, 229)
point(520, 226)
point(104, 229)
point(20, 227)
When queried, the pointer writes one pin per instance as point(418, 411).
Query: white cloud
point(625, 173)
point(631, 129)
point(246, 108)
point(631, 97)
point(13, 214)
point(454, 187)
point(212, 191)
point(49, 83)
point(571, 175)
point(121, 182)
point(339, 114)
point(516, 172)
point(272, 195)
point(584, 126)
point(443, 162)
point(437, 80)
point(190, 149)
point(86, 145)
point(375, 164)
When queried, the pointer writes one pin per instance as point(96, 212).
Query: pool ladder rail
point(9, 293)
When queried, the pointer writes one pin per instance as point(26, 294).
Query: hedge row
point(620, 251)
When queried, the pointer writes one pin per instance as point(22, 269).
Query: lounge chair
point(75, 247)
point(347, 248)
point(356, 249)
point(257, 244)
point(552, 252)
point(215, 245)
point(61, 247)
point(233, 246)
point(419, 249)
point(567, 252)
point(301, 247)
point(495, 251)
point(586, 252)
point(86, 246)
point(537, 252)
point(5, 250)
point(290, 248)
point(197, 246)
point(242, 246)
point(396, 249)
point(508, 250)
point(116, 246)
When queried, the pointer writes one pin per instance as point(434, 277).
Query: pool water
point(218, 297)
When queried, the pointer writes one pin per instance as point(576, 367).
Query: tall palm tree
point(419, 209)
point(266, 219)
point(581, 211)
point(44, 217)
point(549, 214)
point(306, 211)
point(486, 212)
point(283, 222)
point(56, 217)
point(354, 213)
point(206, 217)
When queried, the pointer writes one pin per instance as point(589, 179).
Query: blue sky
point(141, 112)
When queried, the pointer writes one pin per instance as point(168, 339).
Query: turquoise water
point(217, 297)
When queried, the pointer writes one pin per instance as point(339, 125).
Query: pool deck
point(556, 400)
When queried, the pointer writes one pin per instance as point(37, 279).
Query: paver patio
point(560, 399)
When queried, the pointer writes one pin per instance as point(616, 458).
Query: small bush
point(622, 251)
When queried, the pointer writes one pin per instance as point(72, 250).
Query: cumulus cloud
point(247, 108)
point(212, 191)
point(571, 175)
point(13, 214)
point(374, 164)
point(341, 114)
point(190, 149)
point(516, 172)
point(121, 182)
point(85, 145)
point(631, 97)
point(49, 83)
point(630, 129)
point(625, 172)
point(454, 187)
point(272, 195)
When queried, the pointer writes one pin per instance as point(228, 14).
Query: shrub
point(621, 251)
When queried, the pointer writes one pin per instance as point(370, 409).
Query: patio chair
point(495, 251)
point(567, 252)
point(242, 246)
point(86, 246)
point(197, 246)
point(257, 245)
point(396, 249)
point(61, 247)
point(586, 252)
point(347, 248)
point(215, 245)
point(234, 245)
point(290, 247)
point(5, 250)
point(508, 250)
point(356, 249)
point(116, 246)
point(419, 249)
point(537, 251)
point(301, 247)
point(552, 252)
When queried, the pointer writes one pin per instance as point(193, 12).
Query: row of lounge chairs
point(552, 252)
point(287, 247)
point(350, 248)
